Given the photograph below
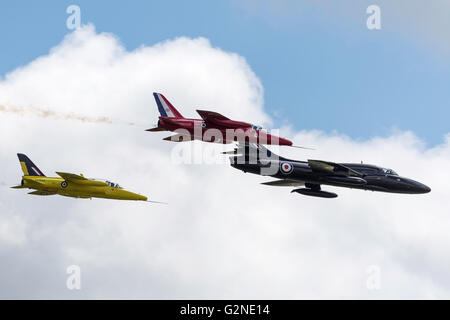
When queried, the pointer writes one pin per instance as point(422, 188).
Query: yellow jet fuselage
point(78, 188)
point(69, 184)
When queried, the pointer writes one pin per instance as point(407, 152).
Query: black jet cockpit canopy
point(389, 171)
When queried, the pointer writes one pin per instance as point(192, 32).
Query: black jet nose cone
point(421, 188)
point(426, 189)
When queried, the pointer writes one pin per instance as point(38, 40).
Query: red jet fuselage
point(222, 131)
point(213, 127)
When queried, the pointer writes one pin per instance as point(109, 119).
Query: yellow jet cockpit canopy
point(110, 184)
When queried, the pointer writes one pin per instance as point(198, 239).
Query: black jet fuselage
point(314, 173)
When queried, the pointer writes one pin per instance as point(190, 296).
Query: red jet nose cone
point(275, 140)
point(285, 142)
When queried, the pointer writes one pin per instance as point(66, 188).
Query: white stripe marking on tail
point(165, 106)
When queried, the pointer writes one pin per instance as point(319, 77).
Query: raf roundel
point(286, 167)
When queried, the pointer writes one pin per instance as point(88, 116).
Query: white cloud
point(12, 227)
point(223, 235)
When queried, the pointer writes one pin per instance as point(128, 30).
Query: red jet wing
point(216, 119)
point(156, 129)
point(178, 138)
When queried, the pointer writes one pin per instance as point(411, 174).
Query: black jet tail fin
point(254, 151)
point(28, 167)
point(266, 153)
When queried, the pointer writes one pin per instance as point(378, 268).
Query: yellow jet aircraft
point(70, 185)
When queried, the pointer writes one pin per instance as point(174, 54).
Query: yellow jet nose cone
point(138, 197)
point(127, 195)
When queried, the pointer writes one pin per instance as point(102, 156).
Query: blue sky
point(320, 66)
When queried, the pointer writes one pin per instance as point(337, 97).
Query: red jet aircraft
point(213, 127)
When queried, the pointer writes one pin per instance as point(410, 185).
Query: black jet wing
point(255, 150)
point(332, 167)
point(284, 183)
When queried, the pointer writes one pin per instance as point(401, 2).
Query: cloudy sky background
point(223, 235)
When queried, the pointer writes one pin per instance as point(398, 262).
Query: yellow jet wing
point(42, 193)
point(70, 176)
point(80, 179)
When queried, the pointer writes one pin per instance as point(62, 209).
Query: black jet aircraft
point(312, 174)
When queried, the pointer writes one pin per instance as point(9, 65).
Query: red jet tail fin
point(166, 109)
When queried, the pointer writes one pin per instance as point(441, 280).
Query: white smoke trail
point(45, 113)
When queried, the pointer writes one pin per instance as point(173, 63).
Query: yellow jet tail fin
point(28, 167)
